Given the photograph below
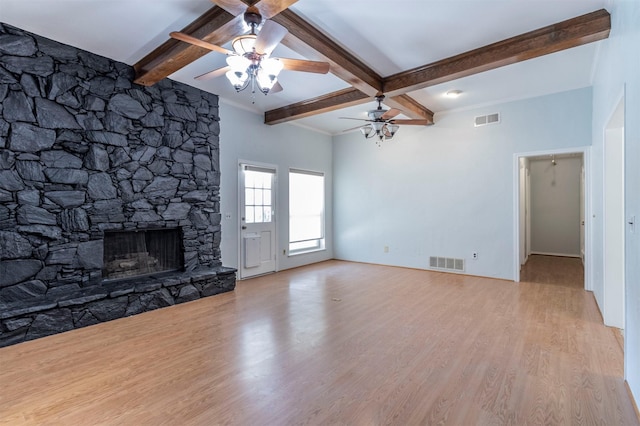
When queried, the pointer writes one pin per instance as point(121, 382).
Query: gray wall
point(447, 190)
point(244, 136)
point(555, 206)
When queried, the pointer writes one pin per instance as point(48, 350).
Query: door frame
point(585, 151)
point(275, 215)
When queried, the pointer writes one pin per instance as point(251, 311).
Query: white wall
point(555, 206)
point(447, 190)
point(618, 71)
point(244, 136)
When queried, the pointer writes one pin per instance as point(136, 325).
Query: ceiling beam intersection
point(567, 34)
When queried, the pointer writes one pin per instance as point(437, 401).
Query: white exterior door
point(257, 220)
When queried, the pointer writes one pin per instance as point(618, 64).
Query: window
point(306, 211)
point(257, 196)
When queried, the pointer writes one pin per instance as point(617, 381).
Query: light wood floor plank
point(337, 343)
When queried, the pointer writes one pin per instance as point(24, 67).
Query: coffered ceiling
point(409, 49)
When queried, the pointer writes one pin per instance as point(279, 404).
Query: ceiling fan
point(382, 122)
point(249, 63)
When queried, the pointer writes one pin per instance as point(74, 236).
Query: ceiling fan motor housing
point(253, 18)
point(376, 114)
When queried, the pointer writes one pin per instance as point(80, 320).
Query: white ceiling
point(389, 36)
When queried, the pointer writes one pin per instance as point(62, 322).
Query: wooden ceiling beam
point(325, 103)
point(343, 99)
point(313, 44)
point(215, 26)
point(573, 32)
point(553, 38)
point(218, 26)
point(409, 107)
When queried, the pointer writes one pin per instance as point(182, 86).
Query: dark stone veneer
point(83, 150)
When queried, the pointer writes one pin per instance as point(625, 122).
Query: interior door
point(257, 220)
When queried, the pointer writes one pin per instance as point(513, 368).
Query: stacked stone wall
point(84, 150)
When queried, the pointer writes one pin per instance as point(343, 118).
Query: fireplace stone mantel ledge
point(42, 316)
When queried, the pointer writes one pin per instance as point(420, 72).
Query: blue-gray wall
point(447, 190)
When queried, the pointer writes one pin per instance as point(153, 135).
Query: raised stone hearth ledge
point(44, 316)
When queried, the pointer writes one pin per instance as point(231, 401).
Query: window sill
point(306, 251)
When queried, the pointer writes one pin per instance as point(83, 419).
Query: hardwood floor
point(333, 343)
point(564, 271)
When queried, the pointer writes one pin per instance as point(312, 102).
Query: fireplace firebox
point(130, 254)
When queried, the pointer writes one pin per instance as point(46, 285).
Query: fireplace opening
point(134, 253)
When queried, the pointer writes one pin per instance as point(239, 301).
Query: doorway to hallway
point(551, 205)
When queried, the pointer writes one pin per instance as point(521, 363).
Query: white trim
point(585, 150)
point(306, 172)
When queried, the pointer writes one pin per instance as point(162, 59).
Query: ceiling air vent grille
point(446, 263)
point(483, 120)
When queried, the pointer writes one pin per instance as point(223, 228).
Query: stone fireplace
point(109, 191)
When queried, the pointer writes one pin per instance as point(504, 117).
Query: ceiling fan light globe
point(366, 131)
point(237, 79)
point(393, 129)
point(238, 63)
point(265, 81)
point(271, 66)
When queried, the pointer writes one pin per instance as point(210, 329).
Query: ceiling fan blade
point(351, 118)
point(390, 114)
point(276, 88)
point(305, 66)
point(352, 128)
point(234, 7)
point(213, 74)
point(411, 122)
point(200, 43)
point(269, 36)
point(268, 8)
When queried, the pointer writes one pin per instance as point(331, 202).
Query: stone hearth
point(83, 152)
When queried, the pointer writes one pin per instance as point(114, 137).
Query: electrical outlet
point(386, 249)
point(227, 216)
point(475, 255)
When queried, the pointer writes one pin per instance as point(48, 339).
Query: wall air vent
point(446, 263)
point(483, 120)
